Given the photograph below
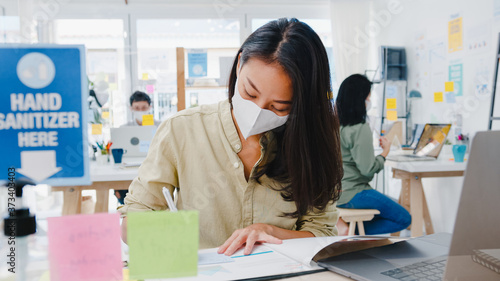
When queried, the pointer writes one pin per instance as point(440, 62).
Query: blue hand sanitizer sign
point(43, 120)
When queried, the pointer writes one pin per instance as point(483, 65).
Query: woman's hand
point(248, 236)
point(386, 146)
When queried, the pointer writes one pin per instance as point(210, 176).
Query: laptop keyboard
point(421, 271)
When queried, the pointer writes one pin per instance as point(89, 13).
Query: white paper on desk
point(263, 262)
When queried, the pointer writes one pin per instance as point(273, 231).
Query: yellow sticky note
point(449, 86)
point(392, 115)
point(105, 114)
point(391, 103)
point(145, 76)
point(96, 129)
point(438, 97)
point(147, 120)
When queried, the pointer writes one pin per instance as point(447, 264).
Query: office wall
point(422, 28)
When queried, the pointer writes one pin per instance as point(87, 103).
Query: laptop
point(443, 256)
point(134, 139)
point(429, 145)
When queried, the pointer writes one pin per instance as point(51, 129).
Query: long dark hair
point(350, 103)
point(308, 159)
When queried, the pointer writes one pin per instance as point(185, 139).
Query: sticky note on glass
point(105, 114)
point(162, 244)
point(392, 115)
point(96, 129)
point(85, 247)
point(438, 97)
point(150, 89)
point(449, 86)
point(147, 120)
point(391, 103)
point(145, 76)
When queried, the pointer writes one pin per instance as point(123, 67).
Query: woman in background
point(360, 163)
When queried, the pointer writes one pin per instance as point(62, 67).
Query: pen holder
point(459, 152)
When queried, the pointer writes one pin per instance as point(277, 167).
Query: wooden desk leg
point(404, 196)
point(102, 204)
point(429, 229)
point(416, 206)
point(72, 201)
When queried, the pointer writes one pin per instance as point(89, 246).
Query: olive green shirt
point(359, 161)
point(195, 152)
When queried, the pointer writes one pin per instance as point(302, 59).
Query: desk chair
point(357, 217)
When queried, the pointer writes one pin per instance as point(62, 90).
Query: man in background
point(140, 105)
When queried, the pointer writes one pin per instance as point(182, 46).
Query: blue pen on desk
point(170, 200)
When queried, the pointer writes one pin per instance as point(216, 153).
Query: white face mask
point(138, 114)
point(368, 104)
point(252, 119)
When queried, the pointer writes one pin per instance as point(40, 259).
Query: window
point(157, 40)
point(9, 29)
point(105, 59)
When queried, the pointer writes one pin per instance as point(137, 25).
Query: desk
point(104, 177)
point(412, 195)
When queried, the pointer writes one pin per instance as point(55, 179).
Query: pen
point(170, 201)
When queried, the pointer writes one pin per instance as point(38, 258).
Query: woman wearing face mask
point(263, 165)
point(361, 164)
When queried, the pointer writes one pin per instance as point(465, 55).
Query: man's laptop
point(429, 145)
point(134, 139)
point(424, 258)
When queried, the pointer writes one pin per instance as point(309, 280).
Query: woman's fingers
point(228, 242)
point(236, 244)
point(248, 237)
point(251, 240)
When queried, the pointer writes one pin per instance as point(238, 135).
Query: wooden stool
point(357, 216)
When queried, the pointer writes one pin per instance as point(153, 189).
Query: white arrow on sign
point(38, 165)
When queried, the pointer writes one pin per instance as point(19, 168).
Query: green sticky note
point(162, 244)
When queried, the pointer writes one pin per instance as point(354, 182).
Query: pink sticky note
point(150, 89)
point(85, 247)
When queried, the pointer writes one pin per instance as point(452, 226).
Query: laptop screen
point(432, 139)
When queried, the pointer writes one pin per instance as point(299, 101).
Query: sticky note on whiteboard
point(449, 86)
point(85, 247)
point(96, 129)
point(438, 97)
point(391, 103)
point(162, 244)
point(392, 115)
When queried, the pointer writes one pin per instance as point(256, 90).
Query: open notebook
point(271, 261)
